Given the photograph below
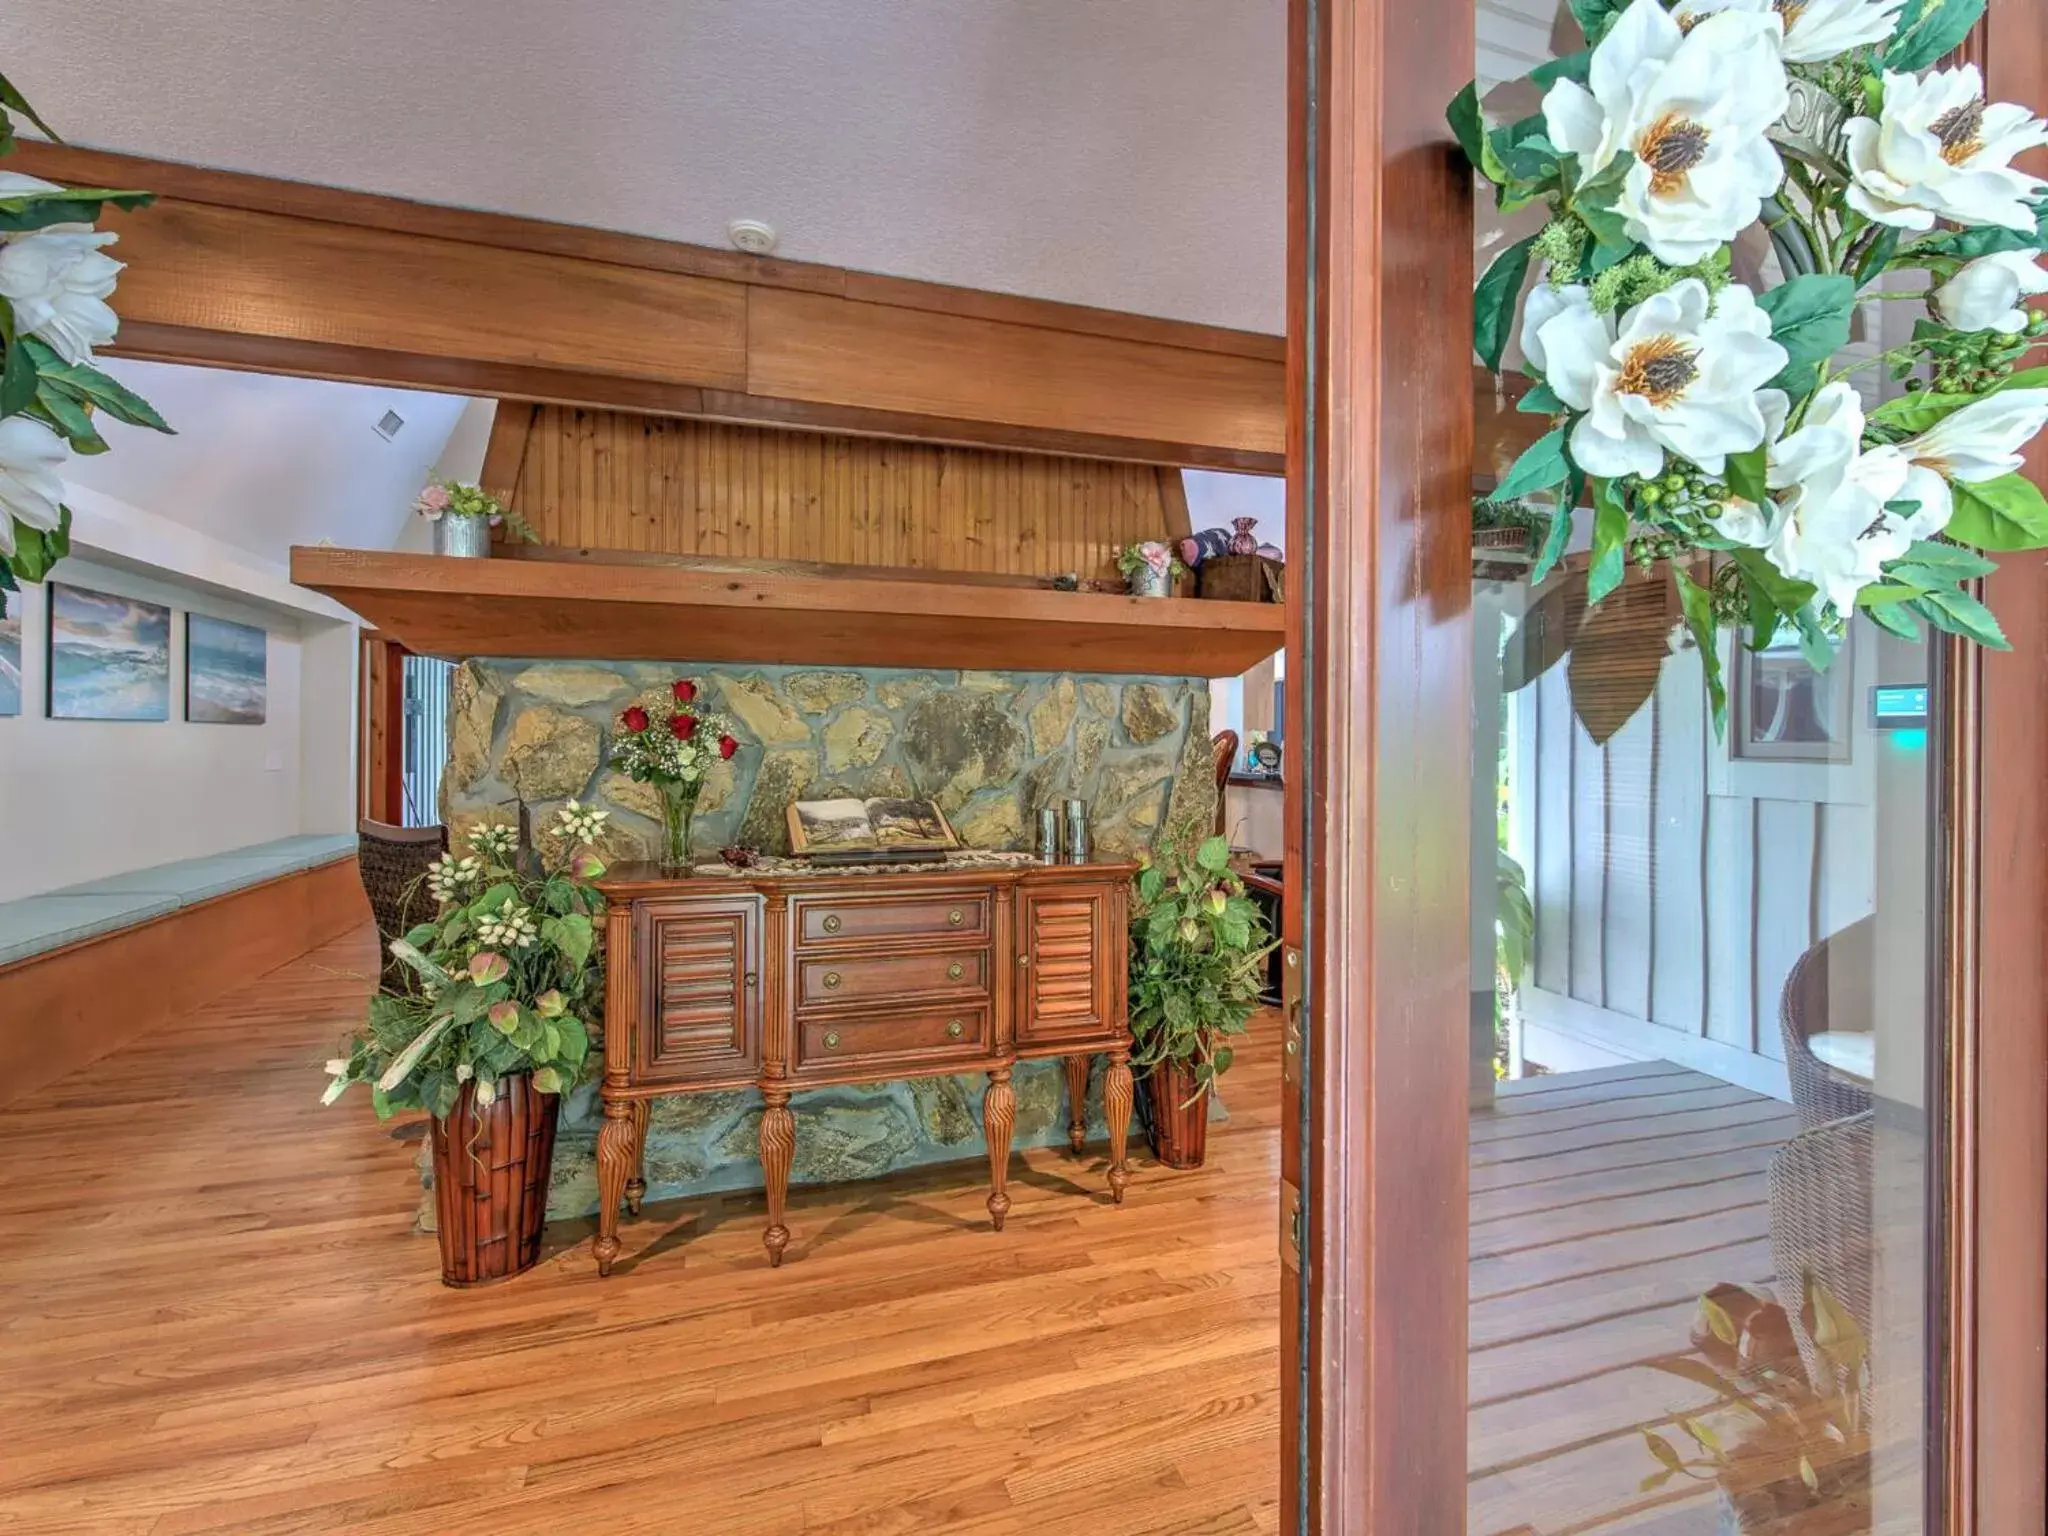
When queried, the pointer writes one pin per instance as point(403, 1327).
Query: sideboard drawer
point(858, 979)
point(834, 920)
point(866, 1042)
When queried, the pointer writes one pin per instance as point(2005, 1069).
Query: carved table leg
point(1077, 1100)
point(778, 1151)
point(618, 1150)
point(636, 1186)
point(998, 1115)
point(1116, 1106)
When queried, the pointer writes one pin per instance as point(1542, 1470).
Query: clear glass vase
point(678, 811)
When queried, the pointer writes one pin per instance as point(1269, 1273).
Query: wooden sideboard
point(808, 980)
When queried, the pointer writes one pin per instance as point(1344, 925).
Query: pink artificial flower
point(1155, 555)
point(434, 500)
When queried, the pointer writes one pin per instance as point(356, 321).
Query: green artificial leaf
point(1746, 475)
point(547, 1080)
point(1697, 602)
point(2002, 514)
point(1469, 125)
point(1214, 855)
point(1937, 32)
point(1542, 465)
point(1957, 563)
point(1815, 644)
point(1784, 595)
point(1522, 149)
point(1496, 300)
point(1878, 256)
point(1892, 616)
point(89, 385)
point(1810, 320)
point(1150, 883)
point(1540, 400)
point(1596, 16)
point(17, 381)
point(71, 205)
point(1969, 244)
point(67, 417)
point(1559, 536)
point(1571, 66)
point(1961, 614)
point(1595, 203)
point(14, 101)
point(573, 936)
point(36, 550)
point(1910, 414)
point(1610, 542)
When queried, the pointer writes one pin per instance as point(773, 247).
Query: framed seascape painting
point(110, 657)
point(10, 653)
point(226, 671)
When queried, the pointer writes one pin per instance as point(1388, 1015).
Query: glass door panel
point(1701, 1026)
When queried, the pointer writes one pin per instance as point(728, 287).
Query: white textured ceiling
point(1123, 153)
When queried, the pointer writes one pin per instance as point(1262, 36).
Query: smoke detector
point(751, 236)
point(388, 424)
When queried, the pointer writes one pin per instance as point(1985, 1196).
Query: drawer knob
point(955, 971)
point(831, 981)
point(831, 923)
point(1023, 962)
point(956, 917)
point(752, 979)
point(832, 1041)
point(955, 1029)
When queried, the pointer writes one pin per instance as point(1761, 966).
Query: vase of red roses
point(673, 745)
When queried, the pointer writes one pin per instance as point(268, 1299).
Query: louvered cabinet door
point(1070, 969)
point(701, 987)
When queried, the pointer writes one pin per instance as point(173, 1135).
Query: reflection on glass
point(1699, 1034)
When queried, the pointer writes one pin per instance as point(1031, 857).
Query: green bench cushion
point(35, 925)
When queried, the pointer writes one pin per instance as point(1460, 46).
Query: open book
point(881, 826)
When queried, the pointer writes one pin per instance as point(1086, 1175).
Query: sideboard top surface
point(628, 881)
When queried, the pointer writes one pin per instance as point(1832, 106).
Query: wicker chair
point(1829, 988)
point(1821, 1224)
point(1224, 747)
point(393, 863)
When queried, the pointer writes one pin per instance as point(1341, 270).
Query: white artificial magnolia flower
point(1938, 150)
point(1691, 109)
point(1985, 295)
point(58, 281)
point(1980, 442)
point(1815, 30)
point(1681, 372)
point(31, 490)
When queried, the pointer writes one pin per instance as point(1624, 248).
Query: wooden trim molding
point(246, 271)
point(1996, 1473)
point(1381, 412)
point(62, 1010)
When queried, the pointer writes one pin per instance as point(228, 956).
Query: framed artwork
point(10, 653)
point(1786, 712)
point(227, 677)
point(110, 657)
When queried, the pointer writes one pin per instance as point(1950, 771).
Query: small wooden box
point(1240, 579)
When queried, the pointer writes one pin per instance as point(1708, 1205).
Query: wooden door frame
point(1380, 456)
point(380, 766)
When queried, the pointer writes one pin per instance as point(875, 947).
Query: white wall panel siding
point(1673, 890)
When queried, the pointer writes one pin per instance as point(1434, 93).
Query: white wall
point(83, 799)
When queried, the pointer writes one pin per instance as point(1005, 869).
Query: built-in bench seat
point(34, 925)
point(89, 967)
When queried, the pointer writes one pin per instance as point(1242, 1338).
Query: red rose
point(685, 690)
point(727, 746)
point(684, 726)
point(635, 719)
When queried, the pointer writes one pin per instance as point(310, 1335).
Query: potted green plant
point(463, 516)
point(1198, 951)
point(490, 1026)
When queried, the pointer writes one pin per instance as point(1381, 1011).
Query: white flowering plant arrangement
point(1707, 422)
point(55, 281)
point(457, 498)
point(507, 978)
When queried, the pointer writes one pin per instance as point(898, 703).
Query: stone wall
point(989, 747)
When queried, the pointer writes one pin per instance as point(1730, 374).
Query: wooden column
point(1379, 673)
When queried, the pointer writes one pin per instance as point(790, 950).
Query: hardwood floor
point(219, 1319)
point(1603, 1204)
